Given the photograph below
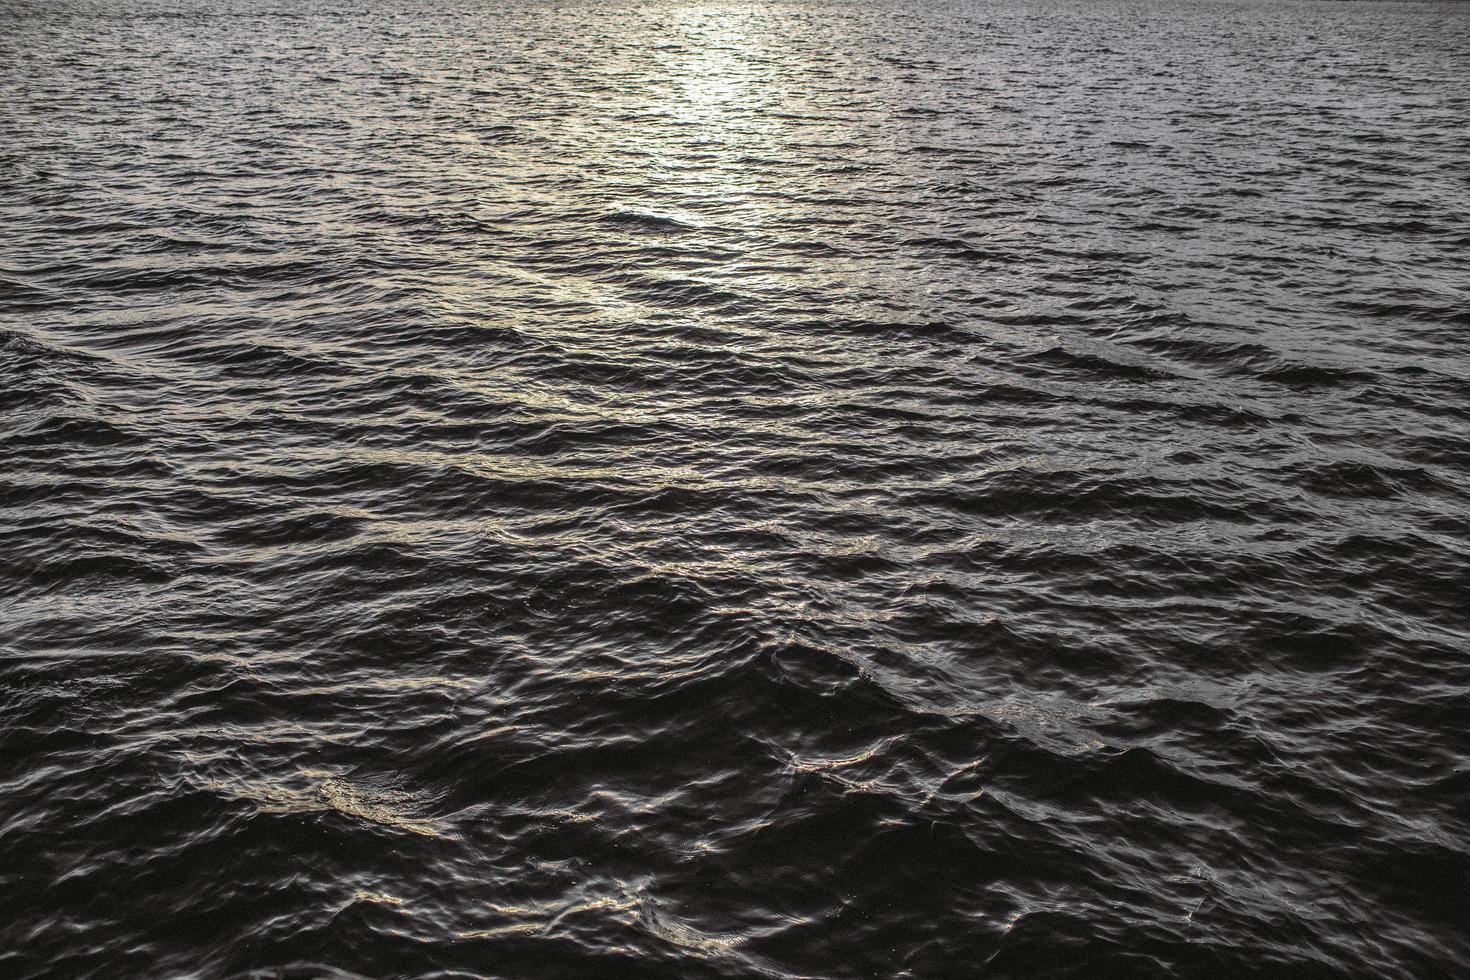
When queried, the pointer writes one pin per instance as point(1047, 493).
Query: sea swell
point(787, 490)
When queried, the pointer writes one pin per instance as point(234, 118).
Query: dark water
point(687, 490)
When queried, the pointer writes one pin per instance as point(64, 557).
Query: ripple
point(793, 490)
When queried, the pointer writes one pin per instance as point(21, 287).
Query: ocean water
point(690, 490)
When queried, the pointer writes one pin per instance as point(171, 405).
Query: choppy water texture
point(570, 490)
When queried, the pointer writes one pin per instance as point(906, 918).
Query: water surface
point(803, 490)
